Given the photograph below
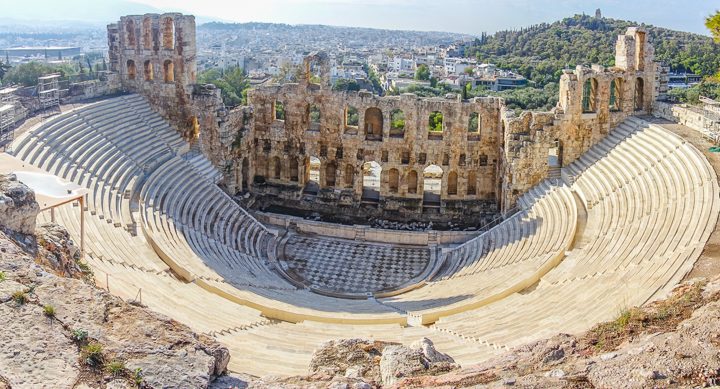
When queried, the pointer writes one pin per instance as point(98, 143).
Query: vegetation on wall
point(27, 74)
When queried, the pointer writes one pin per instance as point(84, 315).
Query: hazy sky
point(467, 16)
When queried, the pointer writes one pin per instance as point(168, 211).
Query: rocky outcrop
point(61, 332)
point(18, 208)
point(57, 251)
point(420, 358)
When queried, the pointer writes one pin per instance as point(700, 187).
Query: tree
point(422, 73)
point(712, 22)
point(469, 70)
point(232, 83)
point(27, 74)
point(344, 84)
point(4, 67)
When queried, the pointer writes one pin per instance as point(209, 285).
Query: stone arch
point(616, 94)
point(349, 175)
point(393, 180)
point(397, 123)
point(312, 174)
point(168, 71)
point(471, 188)
point(330, 174)
point(373, 124)
point(148, 70)
point(452, 183)
point(131, 70)
point(372, 172)
point(276, 168)
point(168, 33)
point(639, 94)
point(589, 96)
point(294, 174)
point(412, 182)
point(130, 33)
point(261, 169)
point(147, 33)
point(432, 185)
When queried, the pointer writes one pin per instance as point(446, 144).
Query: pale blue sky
point(466, 16)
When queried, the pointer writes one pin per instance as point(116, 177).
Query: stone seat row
point(519, 252)
point(629, 257)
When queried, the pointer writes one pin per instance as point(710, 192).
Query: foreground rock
point(674, 343)
point(59, 332)
point(364, 364)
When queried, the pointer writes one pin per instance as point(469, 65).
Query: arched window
point(330, 173)
point(372, 172)
point(432, 185)
point(474, 123)
point(616, 94)
point(294, 170)
point(472, 183)
point(393, 180)
point(147, 33)
point(168, 71)
point(131, 71)
point(277, 168)
point(168, 33)
point(279, 110)
point(589, 96)
point(130, 33)
point(349, 176)
point(639, 94)
point(452, 183)
point(314, 117)
point(397, 124)
point(412, 182)
point(373, 124)
point(312, 175)
point(148, 69)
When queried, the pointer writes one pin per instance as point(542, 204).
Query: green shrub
point(93, 354)
point(2, 276)
point(138, 376)
point(116, 368)
point(79, 335)
point(49, 310)
point(20, 297)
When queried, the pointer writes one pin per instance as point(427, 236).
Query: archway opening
point(432, 185)
point(616, 95)
point(589, 96)
point(349, 176)
point(373, 124)
point(245, 174)
point(147, 33)
point(168, 34)
point(330, 174)
point(397, 124)
point(168, 71)
point(472, 183)
point(393, 180)
point(312, 175)
point(294, 176)
point(131, 71)
point(555, 155)
point(412, 182)
point(372, 172)
point(276, 168)
point(452, 184)
point(148, 70)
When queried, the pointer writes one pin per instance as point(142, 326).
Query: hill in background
point(540, 52)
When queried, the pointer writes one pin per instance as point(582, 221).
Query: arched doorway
point(432, 185)
point(330, 174)
point(373, 124)
point(372, 172)
point(412, 182)
point(393, 180)
point(312, 175)
point(452, 184)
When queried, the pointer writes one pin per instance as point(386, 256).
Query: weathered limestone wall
point(707, 123)
point(270, 155)
point(592, 102)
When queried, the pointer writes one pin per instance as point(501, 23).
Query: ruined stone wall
point(592, 102)
point(269, 155)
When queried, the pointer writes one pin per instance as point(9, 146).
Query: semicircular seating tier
point(629, 221)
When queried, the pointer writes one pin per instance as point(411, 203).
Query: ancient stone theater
point(492, 228)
